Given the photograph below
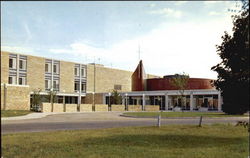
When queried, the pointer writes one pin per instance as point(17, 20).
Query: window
point(55, 69)
point(76, 71)
point(47, 84)
point(22, 81)
point(12, 63)
point(22, 64)
point(77, 86)
point(83, 87)
point(12, 80)
point(118, 87)
point(83, 72)
point(48, 67)
point(56, 85)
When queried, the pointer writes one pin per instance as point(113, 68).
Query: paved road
point(97, 120)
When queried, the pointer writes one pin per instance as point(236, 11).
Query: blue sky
point(173, 36)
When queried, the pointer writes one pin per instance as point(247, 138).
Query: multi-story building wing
point(74, 83)
point(21, 75)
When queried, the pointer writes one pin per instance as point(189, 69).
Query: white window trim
point(14, 63)
point(77, 71)
point(23, 80)
point(24, 64)
point(49, 67)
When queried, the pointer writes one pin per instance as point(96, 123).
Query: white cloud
point(212, 2)
point(28, 33)
point(17, 49)
point(180, 2)
point(168, 12)
point(169, 49)
point(152, 5)
point(214, 13)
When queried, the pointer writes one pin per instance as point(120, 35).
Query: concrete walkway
point(35, 115)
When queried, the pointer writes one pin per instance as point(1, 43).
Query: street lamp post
point(93, 105)
point(109, 102)
point(126, 102)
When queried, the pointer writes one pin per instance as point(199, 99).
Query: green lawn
point(180, 114)
point(173, 141)
point(11, 113)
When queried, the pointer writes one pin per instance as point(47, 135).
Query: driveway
point(97, 120)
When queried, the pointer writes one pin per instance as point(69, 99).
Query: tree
point(180, 81)
point(36, 100)
point(233, 70)
point(52, 98)
point(116, 97)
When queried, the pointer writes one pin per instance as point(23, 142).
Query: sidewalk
point(28, 116)
point(36, 115)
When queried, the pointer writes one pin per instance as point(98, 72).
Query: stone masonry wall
point(67, 76)
point(35, 72)
point(152, 108)
point(117, 107)
point(46, 107)
point(101, 107)
point(89, 98)
point(106, 78)
point(134, 108)
point(4, 67)
point(86, 108)
point(17, 97)
point(71, 107)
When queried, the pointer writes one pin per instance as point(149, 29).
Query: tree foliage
point(180, 81)
point(36, 100)
point(233, 70)
point(52, 98)
point(116, 98)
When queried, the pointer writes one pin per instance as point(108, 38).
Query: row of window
point(13, 80)
point(55, 68)
point(13, 64)
point(77, 86)
point(77, 72)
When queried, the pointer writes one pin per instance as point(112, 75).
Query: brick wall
point(35, 72)
point(71, 107)
point(17, 97)
point(89, 98)
point(152, 108)
point(67, 79)
point(106, 78)
point(46, 107)
point(117, 107)
point(134, 108)
point(4, 67)
point(86, 108)
point(101, 107)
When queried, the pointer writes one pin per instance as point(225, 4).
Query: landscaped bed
point(11, 113)
point(180, 114)
point(173, 141)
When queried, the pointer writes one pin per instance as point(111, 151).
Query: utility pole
point(93, 107)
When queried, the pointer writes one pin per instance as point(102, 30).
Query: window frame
point(24, 64)
point(13, 63)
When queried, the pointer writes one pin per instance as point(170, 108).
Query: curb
point(196, 117)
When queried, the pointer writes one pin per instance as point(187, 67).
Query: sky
point(169, 36)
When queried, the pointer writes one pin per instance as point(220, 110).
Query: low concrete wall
point(71, 107)
point(46, 107)
point(101, 107)
point(86, 108)
point(152, 108)
point(117, 107)
point(58, 107)
point(134, 108)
